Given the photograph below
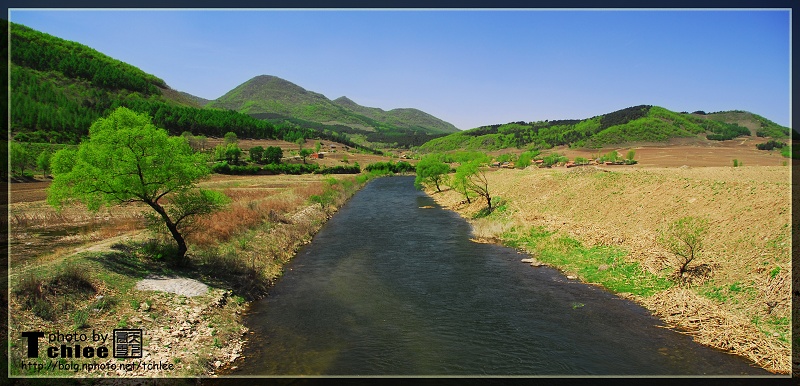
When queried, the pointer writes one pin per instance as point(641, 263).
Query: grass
point(604, 265)
point(240, 249)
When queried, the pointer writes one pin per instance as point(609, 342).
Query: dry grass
point(748, 246)
point(710, 324)
point(484, 229)
point(241, 248)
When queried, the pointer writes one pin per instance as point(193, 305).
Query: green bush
point(399, 167)
point(771, 144)
point(355, 169)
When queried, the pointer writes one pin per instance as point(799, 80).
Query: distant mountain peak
point(343, 100)
point(273, 97)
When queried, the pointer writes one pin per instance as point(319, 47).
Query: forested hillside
point(633, 124)
point(280, 101)
point(58, 88)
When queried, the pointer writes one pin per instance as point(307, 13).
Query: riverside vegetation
point(238, 250)
point(617, 228)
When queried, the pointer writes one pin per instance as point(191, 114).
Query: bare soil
point(692, 152)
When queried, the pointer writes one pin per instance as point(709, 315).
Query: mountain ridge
point(643, 123)
point(274, 98)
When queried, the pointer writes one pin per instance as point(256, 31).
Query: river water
point(390, 288)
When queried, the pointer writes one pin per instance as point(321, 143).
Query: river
point(389, 287)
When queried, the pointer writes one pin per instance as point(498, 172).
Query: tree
point(459, 183)
point(127, 159)
point(305, 153)
point(473, 178)
point(230, 138)
point(257, 154)
point(43, 162)
point(220, 152)
point(232, 153)
point(20, 157)
point(273, 155)
point(431, 171)
point(684, 239)
point(629, 159)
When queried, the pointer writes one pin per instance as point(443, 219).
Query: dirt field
point(693, 152)
point(334, 156)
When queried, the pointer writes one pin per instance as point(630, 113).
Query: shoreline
point(199, 335)
point(680, 308)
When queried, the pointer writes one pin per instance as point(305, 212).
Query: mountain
point(278, 100)
point(194, 100)
point(58, 88)
point(642, 123)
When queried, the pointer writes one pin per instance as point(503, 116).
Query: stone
point(571, 277)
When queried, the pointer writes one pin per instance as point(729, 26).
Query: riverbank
point(67, 277)
point(601, 226)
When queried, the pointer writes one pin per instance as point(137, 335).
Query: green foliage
point(44, 52)
point(328, 195)
point(273, 155)
point(233, 152)
point(604, 265)
point(792, 151)
point(724, 131)
point(553, 159)
point(771, 144)
point(127, 159)
point(304, 153)
point(431, 171)
point(633, 124)
point(43, 162)
point(525, 159)
point(390, 167)
point(20, 158)
point(256, 154)
point(230, 138)
point(684, 238)
point(340, 169)
point(735, 163)
point(470, 177)
point(226, 168)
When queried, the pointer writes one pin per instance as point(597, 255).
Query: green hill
point(634, 124)
point(758, 125)
point(278, 100)
point(59, 87)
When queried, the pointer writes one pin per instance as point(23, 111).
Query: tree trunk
point(173, 229)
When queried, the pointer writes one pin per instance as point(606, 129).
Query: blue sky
point(468, 67)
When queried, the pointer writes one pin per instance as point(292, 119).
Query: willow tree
point(431, 170)
point(470, 177)
point(127, 159)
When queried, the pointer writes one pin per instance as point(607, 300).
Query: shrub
point(341, 169)
point(399, 167)
point(48, 298)
point(771, 144)
point(684, 239)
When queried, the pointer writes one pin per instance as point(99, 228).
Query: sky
point(467, 67)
